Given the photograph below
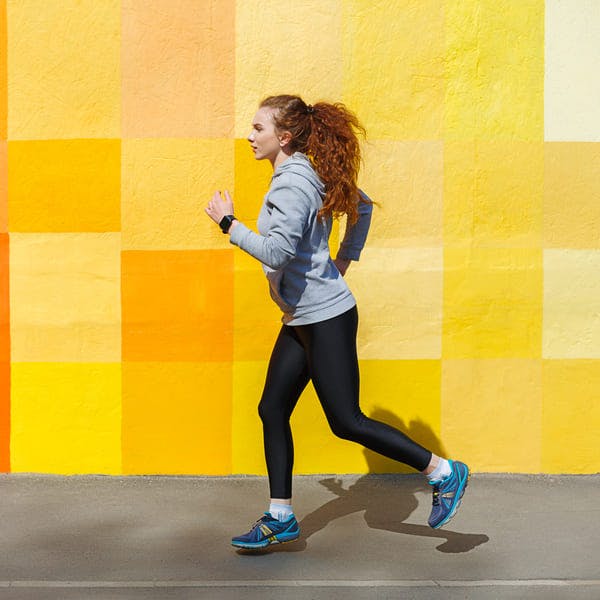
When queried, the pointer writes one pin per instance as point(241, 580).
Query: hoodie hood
point(299, 164)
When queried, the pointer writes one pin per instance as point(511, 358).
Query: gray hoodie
point(293, 245)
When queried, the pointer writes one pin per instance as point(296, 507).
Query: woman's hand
point(218, 207)
point(342, 265)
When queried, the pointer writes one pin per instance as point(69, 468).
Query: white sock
point(441, 471)
point(281, 512)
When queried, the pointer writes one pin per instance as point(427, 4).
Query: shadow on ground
point(385, 501)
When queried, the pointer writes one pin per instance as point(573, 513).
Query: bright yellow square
point(65, 297)
point(403, 394)
point(572, 195)
point(285, 49)
point(64, 71)
point(64, 185)
point(167, 184)
point(571, 304)
point(571, 416)
point(178, 68)
point(492, 303)
point(399, 296)
point(405, 179)
point(66, 418)
point(394, 67)
point(177, 418)
point(494, 69)
point(493, 194)
point(248, 456)
point(492, 412)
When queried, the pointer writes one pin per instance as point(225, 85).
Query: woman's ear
point(285, 138)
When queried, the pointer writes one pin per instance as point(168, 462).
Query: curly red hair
point(328, 135)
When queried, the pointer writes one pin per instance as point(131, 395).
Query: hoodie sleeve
point(356, 235)
point(290, 212)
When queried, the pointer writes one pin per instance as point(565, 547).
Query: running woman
point(315, 154)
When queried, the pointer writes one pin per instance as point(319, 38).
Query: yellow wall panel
point(572, 195)
point(492, 413)
point(403, 394)
point(571, 436)
point(3, 187)
point(286, 50)
point(66, 418)
point(64, 185)
point(493, 193)
point(167, 184)
point(177, 418)
point(399, 296)
point(571, 304)
point(64, 72)
point(65, 297)
point(494, 70)
point(405, 179)
point(394, 66)
point(492, 303)
point(178, 68)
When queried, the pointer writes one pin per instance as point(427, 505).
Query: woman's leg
point(287, 377)
point(333, 364)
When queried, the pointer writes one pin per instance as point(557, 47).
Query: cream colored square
point(64, 69)
point(572, 85)
point(65, 297)
point(405, 179)
point(394, 66)
point(166, 184)
point(399, 296)
point(492, 413)
point(284, 48)
point(571, 304)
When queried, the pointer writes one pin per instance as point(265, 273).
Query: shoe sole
point(266, 543)
point(457, 505)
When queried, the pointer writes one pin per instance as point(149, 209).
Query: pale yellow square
point(66, 418)
point(572, 195)
point(492, 413)
point(394, 67)
point(492, 303)
point(167, 184)
point(571, 304)
point(399, 296)
point(65, 297)
point(571, 416)
point(494, 70)
point(286, 49)
point(177, 418)
point(405, 179)
point(64, 69)
point(493, 194)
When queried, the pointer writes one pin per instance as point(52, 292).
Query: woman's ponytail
point(328, 135)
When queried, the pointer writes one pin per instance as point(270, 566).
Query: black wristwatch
point(226, 222)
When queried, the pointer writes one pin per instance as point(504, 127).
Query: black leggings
point(326, 353)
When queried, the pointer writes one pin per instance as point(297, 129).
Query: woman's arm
point(355, 235)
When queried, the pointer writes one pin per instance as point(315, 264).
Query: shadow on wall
point(385, 501)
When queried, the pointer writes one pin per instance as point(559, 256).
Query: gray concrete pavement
point(103, 537)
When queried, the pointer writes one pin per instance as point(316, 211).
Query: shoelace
point(436, 495)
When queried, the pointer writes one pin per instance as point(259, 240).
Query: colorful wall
point(134, 338)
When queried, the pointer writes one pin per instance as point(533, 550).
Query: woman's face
point(265, 141)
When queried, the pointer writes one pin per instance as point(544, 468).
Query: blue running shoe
point(447, 494)
point(268, 530)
